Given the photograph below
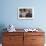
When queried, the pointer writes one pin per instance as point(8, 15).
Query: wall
point(9, 13)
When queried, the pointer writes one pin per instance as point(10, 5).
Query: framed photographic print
point(25, 13)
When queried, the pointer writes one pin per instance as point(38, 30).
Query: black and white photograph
point(25, 13)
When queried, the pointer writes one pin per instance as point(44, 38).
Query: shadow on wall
point(2, 26)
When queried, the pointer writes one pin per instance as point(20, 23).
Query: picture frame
point(25, 13)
